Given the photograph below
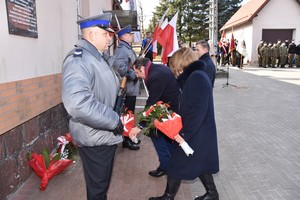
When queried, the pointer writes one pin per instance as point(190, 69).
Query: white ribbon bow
point(63, 142)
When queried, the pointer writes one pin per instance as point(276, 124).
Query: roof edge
point(226, 25)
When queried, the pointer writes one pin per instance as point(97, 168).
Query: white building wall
point(240, 33)
point(245, 33)
point(276, 15)
point(23, 57)
point(94, 7)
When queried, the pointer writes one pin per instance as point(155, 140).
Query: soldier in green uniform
point(278, 46)
point(264, 51)
point(283, 55)
point(259, 46)
point(270, 55)
point(275, 54)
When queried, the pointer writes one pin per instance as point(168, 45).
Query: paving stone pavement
point(258, 134)
point(258, 123)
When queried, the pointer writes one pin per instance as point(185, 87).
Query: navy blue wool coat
point(196, 108)
point(210, 67)
point(162, 86)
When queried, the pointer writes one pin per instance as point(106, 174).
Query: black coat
point(162, 86)
point(199, 128)
point(210, 67)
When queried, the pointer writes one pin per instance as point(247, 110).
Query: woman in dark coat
point(199, 128)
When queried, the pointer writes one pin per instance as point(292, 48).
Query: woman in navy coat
point(199, 128)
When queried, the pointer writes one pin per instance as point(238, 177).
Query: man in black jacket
point(298, 55)
point(162, 86)
point(202, 49)
point(291, 53)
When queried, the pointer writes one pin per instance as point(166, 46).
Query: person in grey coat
point(196, 107)
point(89, 91)
point(124, 56)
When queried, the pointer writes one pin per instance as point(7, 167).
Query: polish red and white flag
point(156, 32)
point(167, 38)
point(232, 43)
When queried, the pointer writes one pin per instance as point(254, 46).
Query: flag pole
point(231, 48)
point(119, 27)
point(156, 32)
point(147, 47)
point(159, 24)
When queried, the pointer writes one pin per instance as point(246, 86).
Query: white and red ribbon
point(125, 120)
point(62, 141)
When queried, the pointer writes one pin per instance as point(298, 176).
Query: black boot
point(211, 190)
point(171, 190)
point(127, 143)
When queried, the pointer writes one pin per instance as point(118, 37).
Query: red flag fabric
point(154, 40)
point(168, 39)
point(156, 33)
point(223, 36)
point(232, 43)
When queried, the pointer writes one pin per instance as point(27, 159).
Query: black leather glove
point(119, 129)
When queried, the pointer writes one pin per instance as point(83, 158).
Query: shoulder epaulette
point(78, 53)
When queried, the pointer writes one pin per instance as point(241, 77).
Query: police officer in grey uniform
point(89, 91)
point(124, 56)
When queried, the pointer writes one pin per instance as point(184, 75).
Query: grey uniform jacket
point(122, 55)
point(89, 91)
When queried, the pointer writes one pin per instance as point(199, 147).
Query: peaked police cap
point(124, 30)
point(101, 21)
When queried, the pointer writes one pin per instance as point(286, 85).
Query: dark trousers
point(130, 102)
point(97, 167)
point(164, 148)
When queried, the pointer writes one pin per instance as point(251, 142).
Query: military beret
point(101, 21)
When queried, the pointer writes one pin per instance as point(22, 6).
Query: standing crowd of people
point(232, 54)
point(91, 80)
point(278, 54)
